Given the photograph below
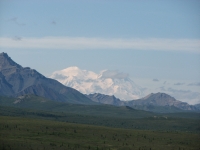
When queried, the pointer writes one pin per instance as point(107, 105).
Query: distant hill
point(161, 99)
point(16, 80)
point(158, 102)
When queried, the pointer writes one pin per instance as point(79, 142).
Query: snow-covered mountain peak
point(106, 82)
point(73, 72)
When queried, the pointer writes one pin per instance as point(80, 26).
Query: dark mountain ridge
point(16, 81)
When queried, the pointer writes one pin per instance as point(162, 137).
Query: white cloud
point(68, 43)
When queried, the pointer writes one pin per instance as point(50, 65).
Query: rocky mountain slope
point(106, 82)
point(161, 99)
point(16, 80)
point(106, 99)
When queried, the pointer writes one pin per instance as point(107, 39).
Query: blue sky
point(146, 39)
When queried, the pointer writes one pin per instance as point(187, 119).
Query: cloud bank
point(81, 43)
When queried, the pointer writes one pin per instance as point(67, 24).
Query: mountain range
point(16, 80)
point(156, 102)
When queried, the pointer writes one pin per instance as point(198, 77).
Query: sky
point(156, 42)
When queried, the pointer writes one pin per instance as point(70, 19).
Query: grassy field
point(24, 133)
point(40, 124)
point(164, 123)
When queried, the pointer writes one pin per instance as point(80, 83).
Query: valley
point(100, 115)
point(37, 112)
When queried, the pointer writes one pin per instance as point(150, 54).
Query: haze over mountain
point(16, 80)
point(106, 82)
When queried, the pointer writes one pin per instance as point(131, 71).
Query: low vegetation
point(40, 124)
point(25, 133)
point(159, 122)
